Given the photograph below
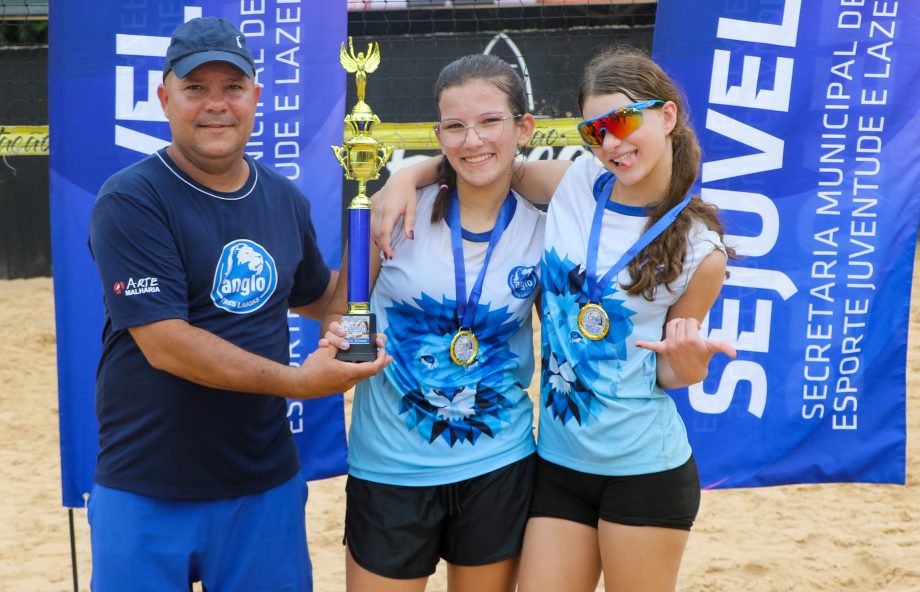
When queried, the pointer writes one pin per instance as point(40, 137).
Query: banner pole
point(73, 553)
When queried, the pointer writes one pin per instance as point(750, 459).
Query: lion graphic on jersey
point(566, 394)
point(441, 398)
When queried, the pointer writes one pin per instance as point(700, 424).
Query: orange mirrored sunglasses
point(620, 122)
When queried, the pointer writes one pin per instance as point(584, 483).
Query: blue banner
point(105, 65)
point(808, 118)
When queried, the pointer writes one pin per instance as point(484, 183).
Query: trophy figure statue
point(362, 157)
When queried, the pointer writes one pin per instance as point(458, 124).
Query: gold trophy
point(362, 157)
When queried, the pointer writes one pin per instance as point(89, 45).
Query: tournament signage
point(105, 66)
point(807, 115)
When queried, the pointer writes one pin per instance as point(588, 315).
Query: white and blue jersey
point(426, 420)
point(602, 411)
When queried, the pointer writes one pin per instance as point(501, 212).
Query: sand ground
point(795, 538)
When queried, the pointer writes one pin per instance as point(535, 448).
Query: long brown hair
point(628, 71)
point(457, 73)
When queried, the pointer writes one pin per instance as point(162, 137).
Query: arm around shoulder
point(396, 199)
point(537, 180)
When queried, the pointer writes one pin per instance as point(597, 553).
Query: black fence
point(25, 235)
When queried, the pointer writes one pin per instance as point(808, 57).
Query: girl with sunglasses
point(632, 265)
point(441, 449)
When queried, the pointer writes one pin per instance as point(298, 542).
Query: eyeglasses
point(619, 122)
point(453, 132)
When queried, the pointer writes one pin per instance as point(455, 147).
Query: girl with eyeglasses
point(441, 449)
point(632, 265)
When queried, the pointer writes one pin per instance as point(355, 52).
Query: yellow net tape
point(33, 140)
point(24, 140)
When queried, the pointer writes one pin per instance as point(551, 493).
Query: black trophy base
point(361, 333)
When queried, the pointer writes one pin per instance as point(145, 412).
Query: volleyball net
point(23, 77)
point(547, 41)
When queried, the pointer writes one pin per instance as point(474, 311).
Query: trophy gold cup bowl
point(362, 157)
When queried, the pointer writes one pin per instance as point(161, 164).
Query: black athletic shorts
point(669, 499)
point(400, 532)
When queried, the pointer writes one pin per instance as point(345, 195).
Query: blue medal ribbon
point(602, 189)
point(466, 307)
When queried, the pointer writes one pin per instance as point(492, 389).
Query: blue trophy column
point(359, 230)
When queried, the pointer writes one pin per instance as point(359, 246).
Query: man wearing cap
point(202, 251)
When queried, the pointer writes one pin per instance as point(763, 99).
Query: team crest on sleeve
point(245, 277)
point(523, 281)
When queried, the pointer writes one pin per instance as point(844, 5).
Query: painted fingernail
point(411, 235)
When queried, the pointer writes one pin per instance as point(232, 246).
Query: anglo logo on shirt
point(245, 277)
point(523, 280)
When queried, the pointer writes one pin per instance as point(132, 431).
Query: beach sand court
point(827, 537)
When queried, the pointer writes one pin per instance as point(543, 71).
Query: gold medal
point(464, 348)
point(593, 321)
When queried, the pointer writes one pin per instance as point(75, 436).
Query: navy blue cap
point(207, 39)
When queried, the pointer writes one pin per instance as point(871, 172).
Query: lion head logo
point(245, 277)
point(442, 399)
point(575, 368)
